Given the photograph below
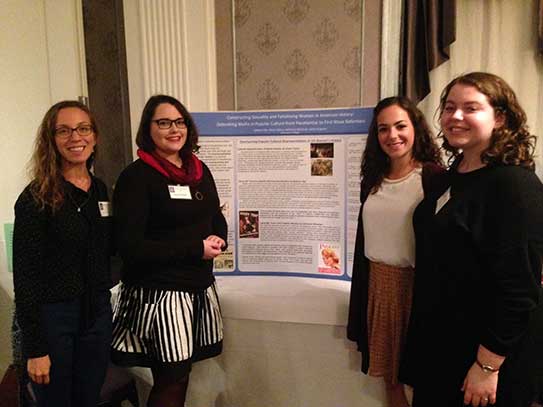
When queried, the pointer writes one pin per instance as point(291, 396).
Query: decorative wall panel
point(297, 53)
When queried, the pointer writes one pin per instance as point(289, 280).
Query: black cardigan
point(478, 281)
point(357, 329)
point(160, 238)
point(59, 256)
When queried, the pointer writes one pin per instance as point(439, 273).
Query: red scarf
point(189, 174)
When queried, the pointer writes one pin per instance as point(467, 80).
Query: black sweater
point(160, 238)
point(58, 257)
point(478, 279)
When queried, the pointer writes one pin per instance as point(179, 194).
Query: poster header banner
point(284, 122)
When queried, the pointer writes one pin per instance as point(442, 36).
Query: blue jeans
point(78, 359)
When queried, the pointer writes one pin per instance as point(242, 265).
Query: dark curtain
point(428, 29)
point(107, 80)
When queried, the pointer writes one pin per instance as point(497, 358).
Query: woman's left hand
point(480, 387)
point(216, 239)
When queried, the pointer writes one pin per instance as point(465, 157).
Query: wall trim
point(211, 55)
point(390, 48)
point(81, 48)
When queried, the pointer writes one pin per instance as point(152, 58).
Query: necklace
point(82, 204)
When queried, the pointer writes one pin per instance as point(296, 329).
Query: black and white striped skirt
point(153, 327)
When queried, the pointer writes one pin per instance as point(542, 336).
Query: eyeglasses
point(83, 130)
point(165, 124)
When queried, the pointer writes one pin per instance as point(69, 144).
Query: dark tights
point(166, 391)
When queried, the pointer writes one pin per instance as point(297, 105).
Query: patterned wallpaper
point(297, 53)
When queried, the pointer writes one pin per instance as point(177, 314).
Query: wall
point(40, 58)
point(302, 54)
point(316, 54)
point(39, 61)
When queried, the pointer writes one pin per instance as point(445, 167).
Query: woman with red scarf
point(168, 227)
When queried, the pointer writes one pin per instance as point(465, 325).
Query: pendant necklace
point(85, 202)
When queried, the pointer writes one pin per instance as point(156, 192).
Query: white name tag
point(443, 199)
point(179, 192)
point(105, 208)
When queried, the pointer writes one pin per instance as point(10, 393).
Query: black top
point(478, 280)
point(58, 256)
point(357, 329)
point(160, 238)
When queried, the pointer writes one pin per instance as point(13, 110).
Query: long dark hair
point(45, 167)
point(511, 143)
point(143, 137)
point(376, 163)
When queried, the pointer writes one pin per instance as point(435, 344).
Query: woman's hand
point(216, 239)
point(480, 387)
point(212, 247)
point(38, 369)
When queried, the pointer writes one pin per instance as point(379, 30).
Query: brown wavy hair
point(143, 137)
point(510, 144)
point(376, 163)
point(45, 166)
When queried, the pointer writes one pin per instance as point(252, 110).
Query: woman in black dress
point(476, 329)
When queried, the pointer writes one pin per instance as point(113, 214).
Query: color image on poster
point(330, 260)
point(248, 224)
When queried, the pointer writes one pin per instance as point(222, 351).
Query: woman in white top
point(400, 163)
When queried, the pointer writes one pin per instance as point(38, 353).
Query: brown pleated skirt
point(390, 292)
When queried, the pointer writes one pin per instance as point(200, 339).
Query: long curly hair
point(376, 163)
point(143, 136)
point(45, 166)
point(510, 144)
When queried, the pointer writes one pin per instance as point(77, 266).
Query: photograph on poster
point(322, 150)
point(224, 261)
point(248, 224)
point(322, 167)
point(329, 263)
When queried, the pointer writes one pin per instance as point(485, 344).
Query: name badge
point(443, 199)
point(105, 208)
point(179, 192)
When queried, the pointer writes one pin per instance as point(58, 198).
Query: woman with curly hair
point(61, 249)
point(476, 329)
point(399, 165)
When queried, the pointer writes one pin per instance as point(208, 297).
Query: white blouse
point(388, 220)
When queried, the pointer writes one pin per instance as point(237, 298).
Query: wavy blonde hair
point(510, 144)
point(45, 166)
